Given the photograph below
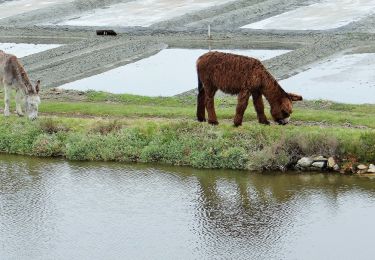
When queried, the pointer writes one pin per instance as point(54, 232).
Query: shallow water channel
point(324, 15)
point(25, 49)
point(169, 72)
point(54, 209)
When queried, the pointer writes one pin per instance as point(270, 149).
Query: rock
point(319, 165)
point(336, 168)
point(331, 163)
point(362, 167)
point(305, 162)
point(362, 171)
point(371, 168)
point(320, 159)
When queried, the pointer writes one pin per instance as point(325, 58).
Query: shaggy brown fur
point(245, 76)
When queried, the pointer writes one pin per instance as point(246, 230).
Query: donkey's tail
point(201, 115)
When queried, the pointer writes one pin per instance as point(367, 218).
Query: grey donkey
point(14, 76)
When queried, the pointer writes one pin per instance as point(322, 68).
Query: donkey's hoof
point(20, 114)
point(213, 122)
point(237, 124)
point(6, 113)
point(264, 122)
point(201, 119)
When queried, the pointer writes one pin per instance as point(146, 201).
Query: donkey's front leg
point(259, 108)
point(243, 100)
point(19, 102)
point(7, 92)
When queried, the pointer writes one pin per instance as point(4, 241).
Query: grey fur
point(14, 76)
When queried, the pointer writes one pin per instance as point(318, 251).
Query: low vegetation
point(163, 130)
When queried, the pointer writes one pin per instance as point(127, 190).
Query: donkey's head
point(32, 102)
point(282, 111)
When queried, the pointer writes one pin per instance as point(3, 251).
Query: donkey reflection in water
point(14, 76)
point(244, 76)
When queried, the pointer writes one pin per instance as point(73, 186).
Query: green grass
point(114, 105)
point(128, 128)
point(360, 117)
point(181, 142)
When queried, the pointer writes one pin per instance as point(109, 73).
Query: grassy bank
point(128, 128)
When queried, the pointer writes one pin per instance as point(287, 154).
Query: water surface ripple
point(53, 209)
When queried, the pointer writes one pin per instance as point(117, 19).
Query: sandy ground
point(84, 54)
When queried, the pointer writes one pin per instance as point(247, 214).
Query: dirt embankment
point(85, 58)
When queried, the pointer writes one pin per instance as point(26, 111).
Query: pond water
point(140, 12)
point(326, 14)
point(25, 49)
point(10, 8)
point(168, 73)
point(54, 209)
point(345, 79)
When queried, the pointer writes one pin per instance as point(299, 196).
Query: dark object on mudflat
point(106, 32)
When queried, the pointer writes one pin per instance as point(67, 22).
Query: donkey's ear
point(37, 86)
point(295, 97)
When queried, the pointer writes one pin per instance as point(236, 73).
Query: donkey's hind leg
point(243, 100)
point(7, 92)
point(210, 106)
point(19, 102)
point(201, 105)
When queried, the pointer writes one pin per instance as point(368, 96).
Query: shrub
point(47, 145)
point(311, 144)
point(82, 147)
point(272, 157)
point(50, 126)
point(125, 146)
point(366, 151)
point(106, 127)
point(18, 137)
point(235, 158)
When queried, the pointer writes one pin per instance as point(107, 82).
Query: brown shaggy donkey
point(245, 76)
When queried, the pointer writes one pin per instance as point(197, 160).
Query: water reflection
point(52, 209)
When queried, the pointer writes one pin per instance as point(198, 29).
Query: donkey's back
point(9, 66)
point(4, 57)
point(229, 72)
